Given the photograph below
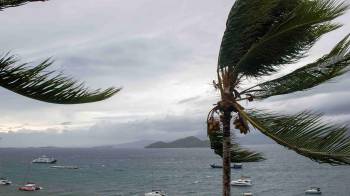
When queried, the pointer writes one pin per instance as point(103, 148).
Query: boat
point(243, 181)
point(215, 166)
point(64, 167)
point(156, 193)
point(237, 166)
point(4, 181)
point(45, 159)
point(234, 166)
point(314, 191)
point(247, 194)
point(30, 186)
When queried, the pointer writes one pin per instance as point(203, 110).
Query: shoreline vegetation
point(187, 142)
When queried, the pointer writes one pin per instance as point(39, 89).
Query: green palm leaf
point(305, 134)
point(324, 69)
point(262, 35)
point(238, 154)
point(35, 83)
point(14, 3)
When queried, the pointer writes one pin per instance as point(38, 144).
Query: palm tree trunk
point(226, 160)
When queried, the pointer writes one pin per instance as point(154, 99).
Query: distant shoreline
point(187, 142)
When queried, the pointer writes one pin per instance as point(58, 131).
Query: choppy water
point(180, 172)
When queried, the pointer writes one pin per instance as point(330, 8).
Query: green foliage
point(324, 69)
point(290, 35)
point(14, 3)
point(238, 154)
point(262, 35)
point(306, 134)
point(36, 83)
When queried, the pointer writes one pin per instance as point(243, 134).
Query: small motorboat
point(314, 191)
point(237, 166)
point(234, 166)
point(30, 187)
point(247, 194)
point(64, 167)
point(243, 181)
point(215, 166)
point(156, 193)
point(4, 181)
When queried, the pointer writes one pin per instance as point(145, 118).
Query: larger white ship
point(44, 159)
point(243, 181)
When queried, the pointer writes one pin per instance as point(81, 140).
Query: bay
point(180, 172)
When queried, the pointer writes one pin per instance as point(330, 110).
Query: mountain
point(131, 145)
point(188, 142)
point(135, 144)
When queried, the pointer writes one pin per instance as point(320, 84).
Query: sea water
point(179, 172)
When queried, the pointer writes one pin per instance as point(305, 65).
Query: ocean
point(179, 172)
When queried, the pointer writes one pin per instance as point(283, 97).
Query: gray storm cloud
point(163, 54)
point(107, 133)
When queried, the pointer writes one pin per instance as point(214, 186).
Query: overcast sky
point(163, 54)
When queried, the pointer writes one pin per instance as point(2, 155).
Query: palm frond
point(36, 83)
point(14, 3)
point(238, 154)
point(305, 134)
point(324, 69)
point(262, 35)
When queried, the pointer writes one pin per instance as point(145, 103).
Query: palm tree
point(14, 3)
point(37, 83)
point(260, 37)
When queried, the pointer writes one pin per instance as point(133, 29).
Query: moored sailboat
point(4, 181)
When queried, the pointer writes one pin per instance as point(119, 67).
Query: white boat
point(156, 193)
point(314, 191)
point(243, 181)
point(247, 194)
point(44, 159)
point(30, 186)
point(4, 181)
point(64, 167)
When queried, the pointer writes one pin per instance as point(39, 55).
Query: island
point(188, 142)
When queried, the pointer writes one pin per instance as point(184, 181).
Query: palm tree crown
point(14, 3)
point(37, 83)
point(262, 36)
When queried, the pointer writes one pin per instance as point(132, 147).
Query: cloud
point(107, 132)
point(190, 99)
point(333, 103)
point(66, 123)
point(163, 54)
